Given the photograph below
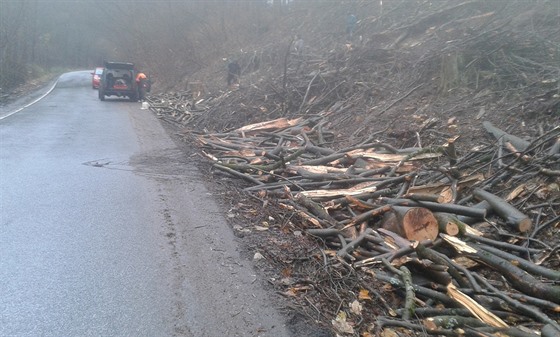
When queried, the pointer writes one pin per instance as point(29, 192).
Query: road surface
point(106, 229)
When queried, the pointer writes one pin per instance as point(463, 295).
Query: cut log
point(412, 223)
point(517, 142)
point(449, 224)
point(513, 217)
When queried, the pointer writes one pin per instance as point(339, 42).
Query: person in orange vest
point(140, 76)
point(142, 84)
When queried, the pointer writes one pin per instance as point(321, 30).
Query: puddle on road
point(166, 163)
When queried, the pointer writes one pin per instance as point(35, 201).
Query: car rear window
point(98, 71)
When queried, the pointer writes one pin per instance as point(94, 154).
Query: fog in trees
point(169, 38)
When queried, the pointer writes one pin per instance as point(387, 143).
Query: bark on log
point(425, 197)
point(369, 214)
point(510, 332)
point(406, 277)
point(520, 279)
point(350, 247)
point(424, 292)
point(435, 207)
point(524, 264)
point(243, 176)
point(315, 209)
point(416, 223)
point(517, 142)
point(513, 217)
point(427, 253)
point(521, 305)
point(471, 220)
point(452, 322)
point(427, 272)
point(549, 331)
point(555, 148)
point(323, 232)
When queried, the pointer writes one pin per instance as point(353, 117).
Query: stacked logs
point(397, 215)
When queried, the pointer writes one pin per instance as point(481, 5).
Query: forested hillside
point(169, 38)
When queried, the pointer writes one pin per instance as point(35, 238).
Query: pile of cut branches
point(464, 238)
point(419, 230)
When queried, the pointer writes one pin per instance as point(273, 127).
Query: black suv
point(118, 79)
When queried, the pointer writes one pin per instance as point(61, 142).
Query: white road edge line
point(30, 104)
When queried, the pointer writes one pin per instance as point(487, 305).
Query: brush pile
point(464, 238)
point(399, 212)
point(468, 240)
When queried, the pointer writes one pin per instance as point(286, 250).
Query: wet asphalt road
point(106, 230)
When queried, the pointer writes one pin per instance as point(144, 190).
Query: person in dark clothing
point(234, 71)
point(110, 80)
point(142, 85)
